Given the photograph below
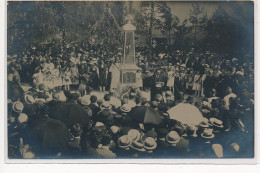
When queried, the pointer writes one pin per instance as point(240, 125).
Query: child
point(66, 78)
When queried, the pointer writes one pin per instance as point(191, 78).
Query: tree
point(181, 36)
point(198, 20)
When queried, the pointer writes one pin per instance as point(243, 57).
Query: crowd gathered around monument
point(69, 107)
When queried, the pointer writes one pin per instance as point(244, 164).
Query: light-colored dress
point(170, 80)
point(196, 85)
point(57, 78)
point(74, 75)
point(66, 78)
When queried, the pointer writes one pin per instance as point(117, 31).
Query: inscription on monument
point(129, 77)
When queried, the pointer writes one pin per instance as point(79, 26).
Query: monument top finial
point(129, 18)
point(129, 26)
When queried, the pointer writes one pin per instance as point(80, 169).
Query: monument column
point(128, 66)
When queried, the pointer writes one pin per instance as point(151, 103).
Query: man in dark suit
point(94, 107)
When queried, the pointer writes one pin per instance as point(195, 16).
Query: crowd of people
point(71, 109)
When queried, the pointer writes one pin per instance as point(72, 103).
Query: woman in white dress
point(66, 78)
point(197, 84)
point(57, 82)
point(115, 77)
point(49, 80)
point(170, 80)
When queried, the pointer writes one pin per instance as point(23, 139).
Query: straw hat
point(17, 107)
point(208, 134)
point(173, 137)
point(125, 108)
point(29, 99)
point(149, 143)
point(216, 122)
point(123, 142)
point(137, 146)
point(134, 135)
point(204, 123)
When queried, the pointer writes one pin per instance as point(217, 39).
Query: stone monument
point(128, 65)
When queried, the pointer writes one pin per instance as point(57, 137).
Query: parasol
point(186, 114)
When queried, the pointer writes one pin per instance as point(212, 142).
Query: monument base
point(127, 77)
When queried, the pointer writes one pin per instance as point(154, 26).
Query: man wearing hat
point(106, 115)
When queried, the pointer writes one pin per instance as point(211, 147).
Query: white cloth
point(115, 76)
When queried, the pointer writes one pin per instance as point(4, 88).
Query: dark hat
point(162, 132)
point(76, 130)
point(151, 133)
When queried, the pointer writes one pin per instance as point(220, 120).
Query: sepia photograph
point(118, 80)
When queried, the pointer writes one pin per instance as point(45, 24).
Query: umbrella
point(186, 114)
point(70, 114)
point(50, 134)
point(145, 114)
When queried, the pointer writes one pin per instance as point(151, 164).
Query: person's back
point(104, 151)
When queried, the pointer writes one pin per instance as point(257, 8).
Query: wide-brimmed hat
point(208, 134)
point(125, 108)
point(137, 146)
point(204, 123)
point(173, 137)
point(134, 135)
point(29, 99)
point(123, 142)
point(216, 122)
point(17, 107)
point(106, 105)
point(150, 143)
point(22, 118)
